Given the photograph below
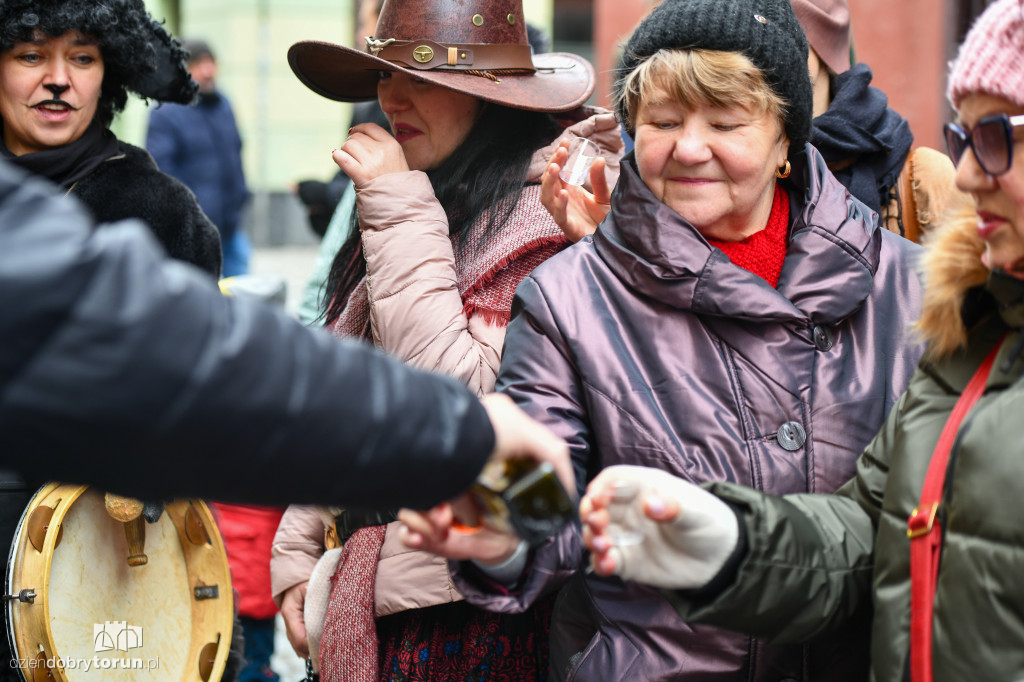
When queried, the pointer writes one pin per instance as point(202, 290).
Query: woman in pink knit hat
point(927, 535)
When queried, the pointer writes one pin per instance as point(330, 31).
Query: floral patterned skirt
point(454, 642)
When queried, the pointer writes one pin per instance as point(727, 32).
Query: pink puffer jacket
point(426, 324)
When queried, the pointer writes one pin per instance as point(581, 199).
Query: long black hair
point(138, 53)
point(485, 173)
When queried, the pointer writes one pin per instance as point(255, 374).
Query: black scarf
point(70, 163)
point(863, 141)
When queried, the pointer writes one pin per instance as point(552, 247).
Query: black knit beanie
point(766, 31)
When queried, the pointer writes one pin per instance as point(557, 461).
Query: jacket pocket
point(583, 649)
point(608, 656)
point(577, 661)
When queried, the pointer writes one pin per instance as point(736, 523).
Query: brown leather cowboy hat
point(477, 47)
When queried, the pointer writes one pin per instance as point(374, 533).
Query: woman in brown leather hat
point(449, 222)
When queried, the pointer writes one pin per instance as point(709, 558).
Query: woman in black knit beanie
point(724, 323)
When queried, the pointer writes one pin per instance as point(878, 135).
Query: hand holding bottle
point(519, 495)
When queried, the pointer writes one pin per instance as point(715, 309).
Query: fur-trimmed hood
point(952, 266)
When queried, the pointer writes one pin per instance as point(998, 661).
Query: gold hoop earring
point(783, 173)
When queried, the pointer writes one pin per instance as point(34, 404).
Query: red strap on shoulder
point(925, 533)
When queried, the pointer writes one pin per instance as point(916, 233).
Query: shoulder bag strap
point(924, 530)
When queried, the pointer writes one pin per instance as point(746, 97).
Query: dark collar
point(68, 164)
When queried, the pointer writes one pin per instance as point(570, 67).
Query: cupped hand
point(605, 558)
point(453, 529)
point(688, 533)
point(574, 209)
point(442, 531)
point(293, 603)
point(369, 152)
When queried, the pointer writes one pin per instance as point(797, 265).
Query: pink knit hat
point(991, 59)
point(827, 25)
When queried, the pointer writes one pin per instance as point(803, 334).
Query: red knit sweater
point(763, 252)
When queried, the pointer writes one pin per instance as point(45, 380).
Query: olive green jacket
point(815, 561)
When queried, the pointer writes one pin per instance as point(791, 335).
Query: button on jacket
point(645, 345)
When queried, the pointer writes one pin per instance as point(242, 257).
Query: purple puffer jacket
point(645, 345)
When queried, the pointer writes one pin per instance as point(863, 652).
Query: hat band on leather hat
point(553, 82)
point(426, 54)
point(474, 47)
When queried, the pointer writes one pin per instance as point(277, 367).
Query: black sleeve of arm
point(125, 369)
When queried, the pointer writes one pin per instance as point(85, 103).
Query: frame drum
point(93, 616)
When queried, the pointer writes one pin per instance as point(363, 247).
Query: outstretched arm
point(111, 351)
point(805, 560)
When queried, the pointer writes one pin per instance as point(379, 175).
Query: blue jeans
point(236, 249)
point(259, 647)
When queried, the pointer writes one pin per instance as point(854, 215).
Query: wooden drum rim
point(210, 617)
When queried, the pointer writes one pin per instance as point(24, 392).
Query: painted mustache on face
point(55, 102)
point(56, 91)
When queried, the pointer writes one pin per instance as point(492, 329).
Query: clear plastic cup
point(625, 513)
point(576, 170)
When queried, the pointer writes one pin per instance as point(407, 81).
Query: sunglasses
point(991, 139)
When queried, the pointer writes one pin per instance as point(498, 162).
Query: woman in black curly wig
point(66, 67)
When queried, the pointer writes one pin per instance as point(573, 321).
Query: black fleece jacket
point(130, 185)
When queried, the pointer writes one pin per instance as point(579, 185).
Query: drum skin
point(92, 609)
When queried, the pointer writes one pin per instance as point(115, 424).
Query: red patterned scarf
point(763, 252)
point(488, 270)
point(348, 645)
